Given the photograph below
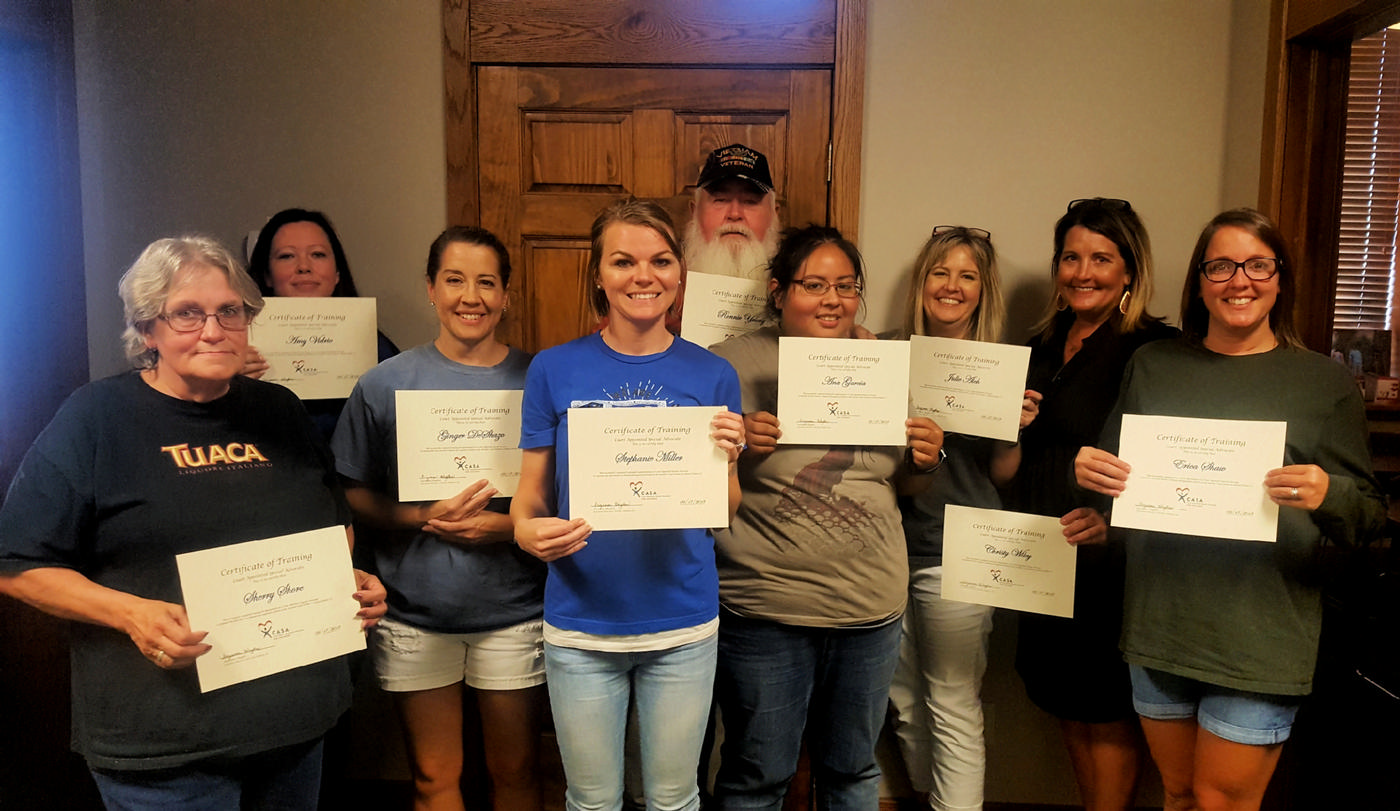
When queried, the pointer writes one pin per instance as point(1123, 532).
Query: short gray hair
point(145, 286)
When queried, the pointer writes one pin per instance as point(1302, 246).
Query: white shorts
point(408, 658)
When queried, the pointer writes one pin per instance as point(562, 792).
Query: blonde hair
point(989, 319)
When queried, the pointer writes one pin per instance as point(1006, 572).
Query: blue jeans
point(283, 779)
point(589, 692)
point(773, 681)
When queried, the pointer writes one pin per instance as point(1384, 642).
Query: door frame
point(813, 33)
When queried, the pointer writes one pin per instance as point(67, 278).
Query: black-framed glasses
point(962, 230)
point(1260, 269)
point(818, 287)
point(233, 317)
point(1102, 202)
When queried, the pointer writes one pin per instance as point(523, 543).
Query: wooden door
point(556, 108)
point(559, 143)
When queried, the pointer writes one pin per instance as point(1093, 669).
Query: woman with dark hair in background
point(464, 600)
point(630, 615)
point(1096, 319)
point(1221, 635)
point(298, 253)
point(813, 568)
point(180, 455)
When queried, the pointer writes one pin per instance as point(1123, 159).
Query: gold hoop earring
point(1123, 302)
point(1060, 304)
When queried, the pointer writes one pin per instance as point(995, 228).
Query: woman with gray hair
point(137, 468)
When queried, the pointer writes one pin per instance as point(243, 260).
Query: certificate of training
point(718, 308)
point(450, 439)
point(1008, 560)
point(647, 468)
point(271, 605)
point(1199, 476)
point(317, 347)
point(968, 387)
point(842, 391)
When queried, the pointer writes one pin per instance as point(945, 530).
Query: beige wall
point(209, 116)
point(995, 114)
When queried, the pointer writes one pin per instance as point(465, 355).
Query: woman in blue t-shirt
point(630, 615)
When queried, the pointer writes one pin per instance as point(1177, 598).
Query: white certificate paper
point(317, 347)
point(450, 439)
point(271, 605)
point(1008, 560)
point(718, 308)
point(647, 468)
point(968, 387)
point(842, 391)
point(1199, 476)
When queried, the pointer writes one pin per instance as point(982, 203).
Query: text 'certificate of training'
point(968, 387)
point(647, 468)
point(1008, 560)
point(1199, 476)
point(271, 605)
point(718, 308)
point(450, 439)
point(317, 347)
point(842, 391)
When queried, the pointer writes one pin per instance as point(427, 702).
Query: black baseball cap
point(736, 161)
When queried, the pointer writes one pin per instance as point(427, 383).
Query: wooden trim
point(459, 113)
point(653, 32)
point(1304, 135)
point(847, 118)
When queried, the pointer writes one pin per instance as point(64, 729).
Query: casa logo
point(304, 369)
point(952, 402)
point(230, 454)
point(464, 463)
point(639, 489)
point(836, 410)
point(269, 630)
point(1183, 494)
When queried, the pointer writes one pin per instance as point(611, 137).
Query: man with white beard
point(733, 228)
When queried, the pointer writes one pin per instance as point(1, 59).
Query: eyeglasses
point(233, 318)
point(1102, 202)
point(1260, 269)
point(818, 287)
point(980, 233)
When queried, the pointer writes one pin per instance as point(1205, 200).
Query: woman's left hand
point(925, 441)
point(1084, 525)
point(370, 594)
point(1301, 486)
point(728, 434)
point(1030, 406)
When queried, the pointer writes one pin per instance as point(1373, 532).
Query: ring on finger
point(161, 656)
point(1295, 494)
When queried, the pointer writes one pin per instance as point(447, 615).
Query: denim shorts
point(407, 659)
point(1257, 719)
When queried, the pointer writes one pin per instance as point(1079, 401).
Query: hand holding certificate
point(647, 468)
point(1199, 476)
point(271, 605)
point(843, 391)
point(450, 439)
point(968, 387)
point(1008, 560)
point(317, 347)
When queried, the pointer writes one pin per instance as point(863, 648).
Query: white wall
point(997, 113)
point(209, 117)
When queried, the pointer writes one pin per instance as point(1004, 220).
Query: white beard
point(747, 260)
